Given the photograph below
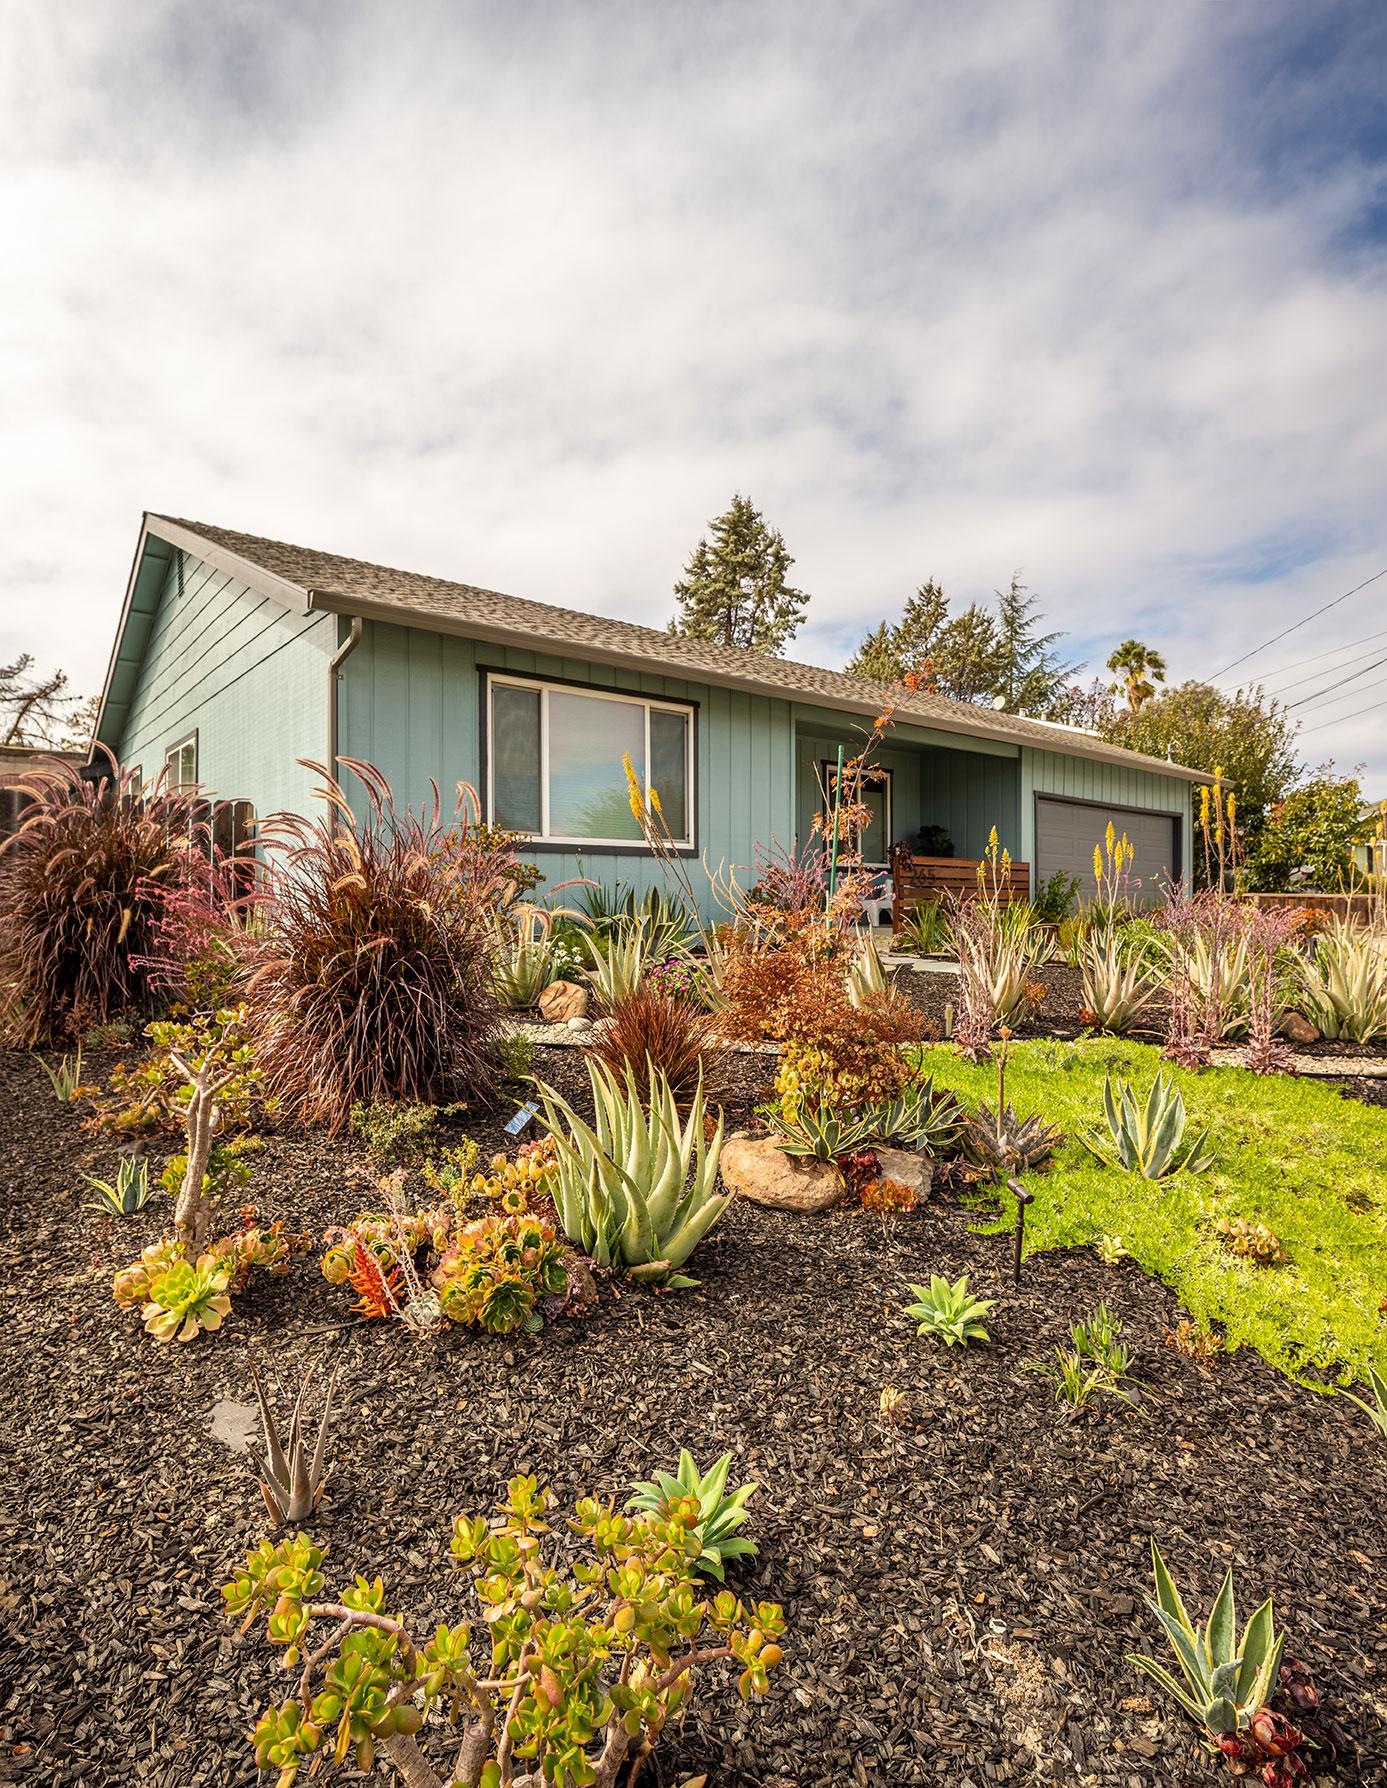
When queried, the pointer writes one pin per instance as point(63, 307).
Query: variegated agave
point(1116, 983)
point(1148, 1139)
point(636, 1189)
point(1228, 1679)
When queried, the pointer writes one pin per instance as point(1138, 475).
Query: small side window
point(180, 763)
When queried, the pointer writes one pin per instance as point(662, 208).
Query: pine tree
point(734, 588)
point(1030, 678)
point(878, 657)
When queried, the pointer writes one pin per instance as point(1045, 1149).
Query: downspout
point(334, 677)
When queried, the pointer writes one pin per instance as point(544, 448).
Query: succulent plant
point(1343, 982)
point(496, 1272)
point(1251, 1241)
point(291, 1479)
point(1376, 1411)
point(1097, 1361)
point(129, 1194)
point(1228, 1677)
point(919, 1118)
point(719, 1515)
point(949, 1313)
point(1148, 1139)
point(619, 959)
point(866, 976)
point(636, 1189)
point(996, 1139)
point(820, 1131)
point(66, 1078)
point(186, 1298)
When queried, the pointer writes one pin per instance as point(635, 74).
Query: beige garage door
point(1066, 832)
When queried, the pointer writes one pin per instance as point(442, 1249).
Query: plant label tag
point(522, 1117)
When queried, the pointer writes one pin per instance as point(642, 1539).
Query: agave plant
point(1148, 1139)
point(1376, 1411)
point(1228, 1677)
point(719, 1515)
point(920, 1118)
point(186, 1298)
point(636, 1189)
point(129, 1194)
point(522, 950)
point(925, 929)
point(1116, 983)
point(291, 1479)
point(1343, 983)
point(821, 1132)
point(949, 1312)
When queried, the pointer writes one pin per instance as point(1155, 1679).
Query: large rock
point(562, 1000)
point(1297, 1028)
point(915, 1171)
point(755, 1167)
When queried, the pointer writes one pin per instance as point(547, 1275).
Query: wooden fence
point(1352, 906)
point(917, 879)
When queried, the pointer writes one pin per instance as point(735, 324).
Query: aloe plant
point(1148, 1139)
point(1343, 983)
point(866, 977)
point(1228, 1678)
point(719, 1515)
point(522, 955)
point(619, 962)
point(1116, 984)
point(66, 1078)
point(636, 1189)
point(291, 1479)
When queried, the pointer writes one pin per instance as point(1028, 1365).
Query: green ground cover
point(1292, 1154)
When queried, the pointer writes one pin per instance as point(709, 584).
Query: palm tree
point(1138, 670)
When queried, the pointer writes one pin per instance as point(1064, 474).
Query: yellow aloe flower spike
point(1097, 863)
point(655, 802)
point(1109, 837)
point(992, 839)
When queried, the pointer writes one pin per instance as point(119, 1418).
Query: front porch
point(938, 800)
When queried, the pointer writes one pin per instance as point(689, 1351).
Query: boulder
point(562, 1000)
point(915, 1171)
point(755, 1167)
point(1297, 1028)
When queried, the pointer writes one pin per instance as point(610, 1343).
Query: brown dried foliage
point(674, 1035)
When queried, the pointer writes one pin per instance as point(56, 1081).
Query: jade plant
point(583, 1667)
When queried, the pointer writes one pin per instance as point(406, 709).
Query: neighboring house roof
point(309, 579)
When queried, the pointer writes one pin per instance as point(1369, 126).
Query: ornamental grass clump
point(649, 1029)
point(586, 1660)
point(81, 890)
point(373, 970)
point(637, 1188)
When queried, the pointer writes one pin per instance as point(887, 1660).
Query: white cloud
point(522, 294)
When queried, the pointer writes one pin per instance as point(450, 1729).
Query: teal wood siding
point(411, 705)
point(249, 677)
point(1086, 779)
point(932, 783)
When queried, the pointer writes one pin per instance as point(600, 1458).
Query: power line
point(1343, 719)
point(1301, 623)
point(1314, 699)
point(1315, 658)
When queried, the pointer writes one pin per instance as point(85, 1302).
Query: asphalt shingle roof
point(352, 586)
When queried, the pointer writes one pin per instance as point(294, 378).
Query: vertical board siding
point(411, 704)
point(246, 675)
point(1117, 785)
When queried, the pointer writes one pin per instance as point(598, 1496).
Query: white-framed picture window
point(180, 763)
point(555, 761)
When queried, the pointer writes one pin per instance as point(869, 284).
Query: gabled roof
point(304, 578)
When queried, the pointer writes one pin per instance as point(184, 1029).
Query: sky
point(521, 294)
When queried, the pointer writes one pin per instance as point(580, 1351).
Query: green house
point(237, 657)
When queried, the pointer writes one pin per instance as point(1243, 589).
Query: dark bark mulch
point(960, 1588)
